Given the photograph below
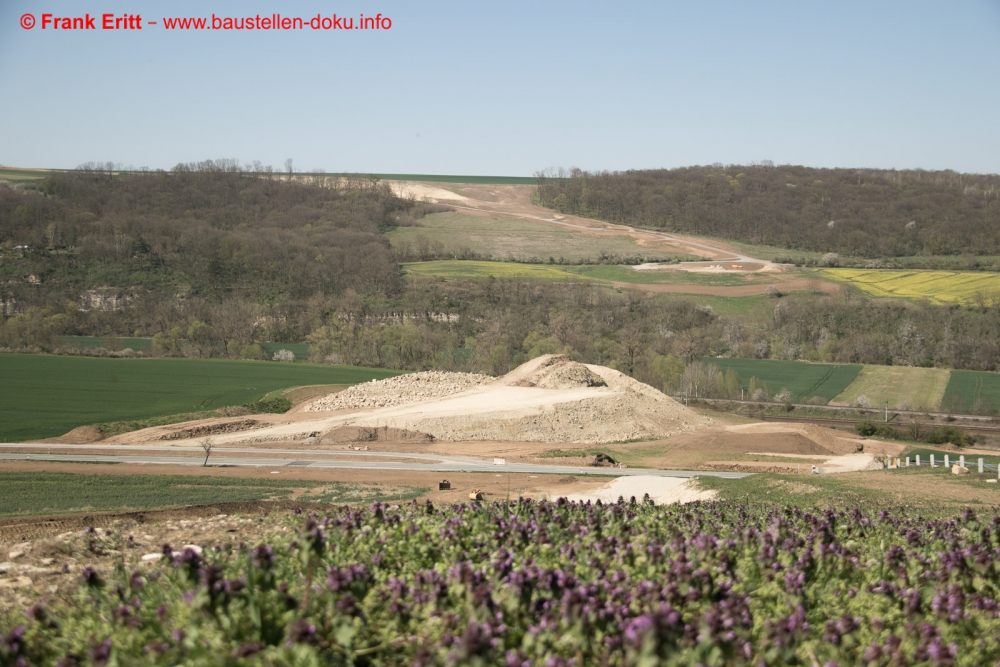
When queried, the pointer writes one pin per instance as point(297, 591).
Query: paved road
point(305, 459)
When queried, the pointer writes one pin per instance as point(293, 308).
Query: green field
point(972, 387)
point(804, 380)
point(7, 174)
point(885, 489)
point(300, 350)
point(44, 396)
point(522, 240)
point(49, 492)
point(454, 269)
point(905, 388)
point(932, 389)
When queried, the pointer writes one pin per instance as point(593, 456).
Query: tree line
point(867, 213)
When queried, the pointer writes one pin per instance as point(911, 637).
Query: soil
point(81, 435)
point(549, 399)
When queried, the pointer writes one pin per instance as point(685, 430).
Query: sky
point(509, 88)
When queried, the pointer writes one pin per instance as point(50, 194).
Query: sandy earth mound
point(549, 399)
point(399, 390)
point(79, 435)
point(553, 371)
point(552, 399)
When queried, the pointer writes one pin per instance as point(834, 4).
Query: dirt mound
point(399, 390)
point(548, 399)
point(212, 429)
point(553, 371)
point(599, 405)
point(81, 435)
point(375, 434)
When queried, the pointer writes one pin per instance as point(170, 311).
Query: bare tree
point(207, 445)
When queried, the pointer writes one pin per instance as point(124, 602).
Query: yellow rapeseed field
point(935, 286)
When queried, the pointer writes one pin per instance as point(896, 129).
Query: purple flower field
point(543, 583)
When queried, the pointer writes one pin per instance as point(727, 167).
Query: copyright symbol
point(27, 21)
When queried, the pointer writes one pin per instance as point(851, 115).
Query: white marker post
point(932, 460)
point(907, 461)
point(947, 462)
point(980, 466)
point(918, 460)
point(961, 460)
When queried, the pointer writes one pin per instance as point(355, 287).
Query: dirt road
point(514, 201)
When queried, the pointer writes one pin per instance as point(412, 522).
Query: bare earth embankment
point(551, 399)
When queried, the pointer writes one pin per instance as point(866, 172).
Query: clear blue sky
point(512, 88)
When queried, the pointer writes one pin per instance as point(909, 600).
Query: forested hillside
point(211, 260)
point(862, 212)
point(142, 252)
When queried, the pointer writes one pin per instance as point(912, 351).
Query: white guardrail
point(946, 462)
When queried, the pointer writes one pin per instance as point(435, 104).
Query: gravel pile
point(399, 390)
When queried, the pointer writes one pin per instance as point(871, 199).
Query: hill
point(860, 212)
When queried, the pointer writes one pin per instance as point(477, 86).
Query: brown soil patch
point(300, 395)
point(743, 466)
point(212, 429)
point(375, 434)
point(81, 435)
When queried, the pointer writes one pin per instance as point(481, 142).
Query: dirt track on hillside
point(515, 201)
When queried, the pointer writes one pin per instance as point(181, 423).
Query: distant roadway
point(300, 458)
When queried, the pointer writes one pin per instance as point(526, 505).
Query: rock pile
point(399, 390)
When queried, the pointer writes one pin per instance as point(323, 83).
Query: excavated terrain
point(548, 399)
point(399, 390)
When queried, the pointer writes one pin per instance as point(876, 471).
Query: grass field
point(934, 286)
point(44, 396)
point(932, 492)
point(904, 388)
point(463, 269)
point(52, 492)
point(300, 350)
point(974, 387)
point(803, 379)
point(508, 238)
point(7, 174)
